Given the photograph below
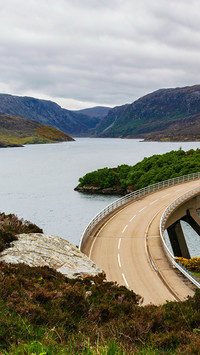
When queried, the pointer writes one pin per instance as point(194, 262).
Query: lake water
point(37, 181)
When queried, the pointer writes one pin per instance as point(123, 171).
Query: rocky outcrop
point(100, 190)
point(37, 249)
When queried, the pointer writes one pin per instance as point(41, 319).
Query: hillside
point(45, 312)
point(16, 131)
point(48, 113)
point(166, 114)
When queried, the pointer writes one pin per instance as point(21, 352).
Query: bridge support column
point(193, 220)
point(177, 239)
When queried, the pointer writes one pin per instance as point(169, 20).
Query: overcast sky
point(83, 53)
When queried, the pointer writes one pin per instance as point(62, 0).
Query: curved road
point(128, 248)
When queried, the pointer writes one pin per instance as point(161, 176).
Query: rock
point(88, 189)
point(100, 190)
point(37, 249)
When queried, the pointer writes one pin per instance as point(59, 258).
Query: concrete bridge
point(127, 239)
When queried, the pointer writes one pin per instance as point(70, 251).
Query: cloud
point(106, 52)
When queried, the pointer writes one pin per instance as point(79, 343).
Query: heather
point(10, 226)
point(42, 311)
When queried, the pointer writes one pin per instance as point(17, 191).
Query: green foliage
point(149, 171)
point(103, 177)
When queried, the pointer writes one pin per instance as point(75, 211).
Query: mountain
point(166, 114)
point(16, 131)
point(97, 111)
point(48, 113)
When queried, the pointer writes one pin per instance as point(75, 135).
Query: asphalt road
point(128, 248)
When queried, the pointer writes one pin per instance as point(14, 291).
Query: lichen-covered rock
point(37, 249)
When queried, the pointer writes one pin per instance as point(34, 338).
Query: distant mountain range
point(98, 112)
point(166, 114)
point(49, 113)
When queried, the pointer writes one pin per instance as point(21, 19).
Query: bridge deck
point(128, 248)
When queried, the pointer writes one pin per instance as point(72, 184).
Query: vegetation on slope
point(166, 114)
point(44, 312)
point(16, 131)
point(149, 171)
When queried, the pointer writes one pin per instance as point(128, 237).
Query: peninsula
point(17, 131)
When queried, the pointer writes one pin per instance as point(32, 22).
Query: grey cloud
point(105, 52)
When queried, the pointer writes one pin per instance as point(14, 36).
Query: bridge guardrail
point(168, 211)
point(131, 197)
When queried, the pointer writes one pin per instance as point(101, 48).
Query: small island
point(125, 179)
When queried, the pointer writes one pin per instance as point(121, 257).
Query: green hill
point(17, 131)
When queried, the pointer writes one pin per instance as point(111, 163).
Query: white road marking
point(151, 203)
point(119, 262)
point(119, 243)
point(132, 218)
point(142, 209)
point(124, 228)
point(125, 280)
point(166, 195)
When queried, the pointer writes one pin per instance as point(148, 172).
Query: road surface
point(128, 248)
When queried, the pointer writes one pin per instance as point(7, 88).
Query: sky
point(86, 53)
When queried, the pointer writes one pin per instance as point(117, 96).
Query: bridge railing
point(131, 197)
point(168, 211)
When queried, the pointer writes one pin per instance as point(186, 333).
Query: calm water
point(37, 181)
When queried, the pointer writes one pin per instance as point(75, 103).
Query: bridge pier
point(175, 232)
point(177, 239)
point(192, 219)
